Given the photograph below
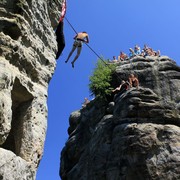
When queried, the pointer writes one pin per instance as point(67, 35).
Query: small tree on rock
point(100, 81)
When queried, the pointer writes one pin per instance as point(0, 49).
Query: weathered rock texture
point(134, 137)
point(27, 62)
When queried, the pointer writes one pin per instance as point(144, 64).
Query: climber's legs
point(78, 53)
point(70, 54)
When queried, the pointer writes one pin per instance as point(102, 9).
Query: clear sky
point(113, 26)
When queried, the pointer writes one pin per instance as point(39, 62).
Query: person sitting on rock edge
point(122, 56)
point(114, 60)
point(131, 53)
point(137, 50)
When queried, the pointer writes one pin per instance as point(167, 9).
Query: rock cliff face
point(27, 62)
point(134, 137)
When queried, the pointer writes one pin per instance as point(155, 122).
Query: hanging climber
point(59, 31)
point(78, 42)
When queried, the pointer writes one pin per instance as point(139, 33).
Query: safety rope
point(92, 49)
point(71, 25)
point(96, 54)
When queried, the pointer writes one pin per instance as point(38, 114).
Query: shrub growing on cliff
point(100, 81)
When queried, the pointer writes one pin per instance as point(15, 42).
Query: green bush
point(100, 81)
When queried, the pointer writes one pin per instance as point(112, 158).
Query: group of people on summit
point(146, 51)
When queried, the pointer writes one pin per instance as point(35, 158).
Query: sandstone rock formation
point(136, 136)
point(27, 62)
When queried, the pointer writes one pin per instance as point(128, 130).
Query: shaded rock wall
point(27, 63)
point(134, 137)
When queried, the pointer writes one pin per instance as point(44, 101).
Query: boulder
point(135, 136)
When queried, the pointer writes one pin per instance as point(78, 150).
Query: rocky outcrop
point(136, 136)
point(27, 63)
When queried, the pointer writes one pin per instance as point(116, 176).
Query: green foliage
point(100, 81)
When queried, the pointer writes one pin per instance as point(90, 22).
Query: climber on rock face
point(78, 42)
point(122, 87)
point(134, 82)
point(59, 32)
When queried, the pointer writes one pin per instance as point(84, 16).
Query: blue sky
point(113, 26)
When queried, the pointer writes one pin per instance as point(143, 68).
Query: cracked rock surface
point(27, 63)
point(136, 136)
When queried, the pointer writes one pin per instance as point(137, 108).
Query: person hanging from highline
point(78, 42)
point(59, 31)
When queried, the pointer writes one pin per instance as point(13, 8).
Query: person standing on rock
point(59, 31)
point(79, 39)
